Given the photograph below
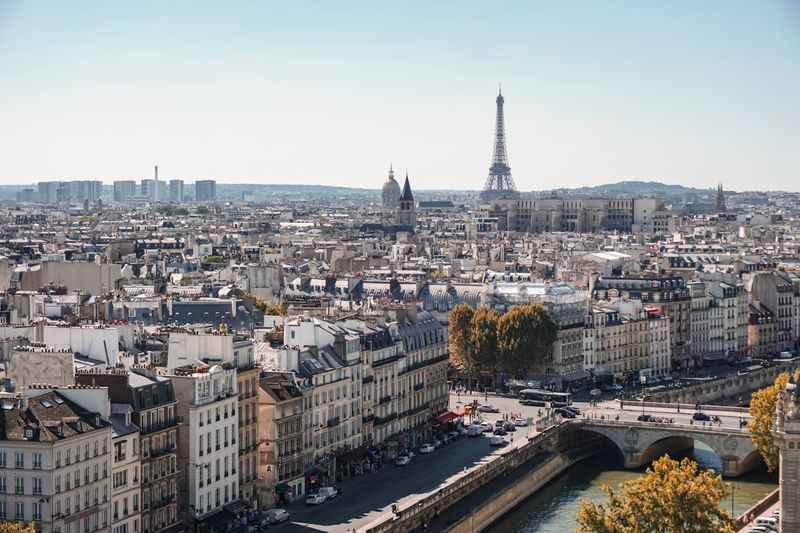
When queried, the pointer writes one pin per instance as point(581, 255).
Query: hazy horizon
point(679, 93)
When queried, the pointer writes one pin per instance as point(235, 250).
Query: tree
point(270, 309)
point(16, 527)
point(762, 412)
point(670, 497)
point(201, 210)
point(525, 334)
point(459, 326)
point(483, 341)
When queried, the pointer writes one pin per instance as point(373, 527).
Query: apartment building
point(382, 363)
point(208, 453)
point(328, 358)
point(707, 325)
point(772, 293)
point(624, 341)
point(669, 294)
point(214, 347)
point(281, 465)
point(730, 295)
point(423, 371)
point(55, 459)
point(125, 471)
point(153, 405)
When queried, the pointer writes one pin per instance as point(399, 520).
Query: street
point(366, 498)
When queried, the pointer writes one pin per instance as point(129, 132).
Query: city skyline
point(325, 96)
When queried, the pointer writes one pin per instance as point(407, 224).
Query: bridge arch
point(641, 443)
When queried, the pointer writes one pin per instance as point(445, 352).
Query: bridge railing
point(655, 425)
point(686, 407)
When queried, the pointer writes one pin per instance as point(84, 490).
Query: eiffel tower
point(499, 184)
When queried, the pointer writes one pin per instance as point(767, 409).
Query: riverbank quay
point(425, 511)
point(767, 504)
point(727, 389)
point(490, 503)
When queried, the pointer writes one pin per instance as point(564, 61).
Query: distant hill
point(635, 188)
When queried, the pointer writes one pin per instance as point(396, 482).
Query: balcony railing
point(367, 418)
point(152, 428)
point(333, 421)
point(385, 399)
point(380, 420)
point(427, 362)
point(161, 451)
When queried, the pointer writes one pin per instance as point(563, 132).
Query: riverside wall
point(759, 507)
point(728, 388)
point(494, 508)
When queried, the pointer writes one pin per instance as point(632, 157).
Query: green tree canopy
point(459, 327)
point(201, 210)
point(525, 334)
point(671, 497)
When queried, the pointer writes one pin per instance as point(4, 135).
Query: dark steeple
point(407, 196)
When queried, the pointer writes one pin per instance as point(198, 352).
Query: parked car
point(499, 431)
point(276, 516)
point(646, 418)
point(403, 460)
point(454, 435)
point(520, 422)
point(315, 498)
point(565, 413)
point(328, 492)
point(488, 408)
point(509, 426)
point(498, 441)
point(701, 417)
point(436, 443)
point(486, 426)
point(572, 409)
point(426, 448)
point(474, 431)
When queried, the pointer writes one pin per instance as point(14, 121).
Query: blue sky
point(332, 92)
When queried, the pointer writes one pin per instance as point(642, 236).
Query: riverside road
point(367, 498)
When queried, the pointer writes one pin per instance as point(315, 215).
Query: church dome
point(391, 192)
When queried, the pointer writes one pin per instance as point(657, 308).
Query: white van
point(474, 431)
point(767, 521)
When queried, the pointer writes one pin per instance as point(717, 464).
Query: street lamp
point(643, 381)
point(740, 412)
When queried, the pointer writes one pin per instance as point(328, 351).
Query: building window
point(19, 459)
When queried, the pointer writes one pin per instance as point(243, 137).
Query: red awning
point(446, 417)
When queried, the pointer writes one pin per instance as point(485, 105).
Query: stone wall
point(728, 388)
point(494, 508)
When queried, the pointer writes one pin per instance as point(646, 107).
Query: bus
point(544, 397)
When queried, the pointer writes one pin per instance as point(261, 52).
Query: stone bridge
point(643, 442)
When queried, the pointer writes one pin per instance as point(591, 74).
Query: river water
point(553, 509)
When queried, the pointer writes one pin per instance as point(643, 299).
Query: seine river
point(553, 509)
